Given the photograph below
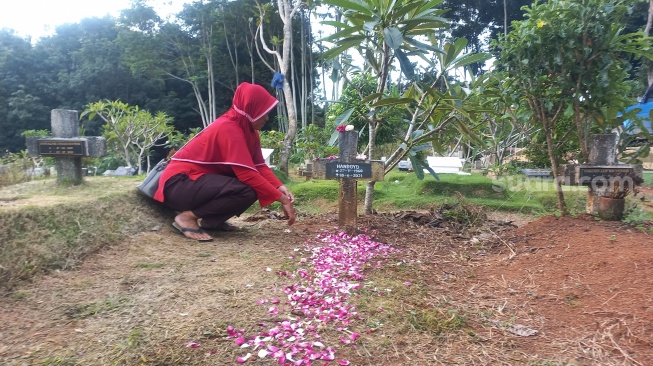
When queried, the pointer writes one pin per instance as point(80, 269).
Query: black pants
point(213, 198)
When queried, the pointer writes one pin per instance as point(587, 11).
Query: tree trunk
point(647, 32)
point(548, 129)
point(505, 18)
point(286, 12)
point(373, 124)
point(292, 128)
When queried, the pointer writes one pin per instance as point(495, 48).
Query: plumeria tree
point(381, 31)
point(132, 130)
point(387, 33)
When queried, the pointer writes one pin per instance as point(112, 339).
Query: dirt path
point(585, 286)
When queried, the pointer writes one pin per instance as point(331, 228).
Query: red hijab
point(231, 139)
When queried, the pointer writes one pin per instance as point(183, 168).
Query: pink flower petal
point(193, 345)
point(343, 362)
point(244, 358)
point(239, 341)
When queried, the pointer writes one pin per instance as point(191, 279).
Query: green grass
point(648, 178)
point(402, 190)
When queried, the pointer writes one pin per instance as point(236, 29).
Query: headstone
point(266, 155)
point(348, 170)
point(602, 168)
point(445, 164)
point(602, 152)
point(66, 146)
point(537, 173)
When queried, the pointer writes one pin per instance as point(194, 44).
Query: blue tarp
point(644, 114)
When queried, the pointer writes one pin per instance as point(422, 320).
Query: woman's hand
point(287, 193)
point(288, 208)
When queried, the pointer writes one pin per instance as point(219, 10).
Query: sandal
point(184, 230)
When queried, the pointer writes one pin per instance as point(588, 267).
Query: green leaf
point(405, 9)
point(371, 97)
point(335, 24)
point(350, 5)
point(369, 56)
point(340, 120)
point(470, 59)
point(393, 37)
point(416, 134)
point(369, 26)
point(341, 35)
point(391, 101)
point(344, 117)
point(406, 67)
point(342, 47)
point(419, 173)
point(422, 46)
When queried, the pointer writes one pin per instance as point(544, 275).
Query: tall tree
point(21, 107)
point(647, 32)
point(479, 21)
point(287, 10)
point(383, 31)
point(565, 61)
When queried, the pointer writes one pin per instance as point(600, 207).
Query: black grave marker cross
point(66, 146)
point(348, 170)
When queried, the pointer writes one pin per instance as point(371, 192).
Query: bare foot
point(186, 223)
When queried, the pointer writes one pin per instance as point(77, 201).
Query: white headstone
point(266, 155)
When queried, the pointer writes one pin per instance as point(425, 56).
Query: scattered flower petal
point(262, 353)
point(244, 358)
point(193, 345)
point(332, 269)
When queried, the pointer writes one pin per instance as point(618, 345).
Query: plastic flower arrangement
point(343, 128)
point(331, 157)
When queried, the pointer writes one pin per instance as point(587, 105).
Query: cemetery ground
point(95, 275)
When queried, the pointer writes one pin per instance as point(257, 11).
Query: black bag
point(151, 183)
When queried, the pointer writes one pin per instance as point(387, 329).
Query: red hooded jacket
point(230, 146)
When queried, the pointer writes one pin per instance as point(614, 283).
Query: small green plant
point(59, 361)
point(436, 321)
point(638, 218)
point(85, 310)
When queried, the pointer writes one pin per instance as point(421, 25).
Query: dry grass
point(142, 292)
point(49, 227)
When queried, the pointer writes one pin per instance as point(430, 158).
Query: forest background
point(413, 77)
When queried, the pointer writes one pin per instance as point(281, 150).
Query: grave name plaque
point(61, 147)
point(368, 170)
point(588, 174)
